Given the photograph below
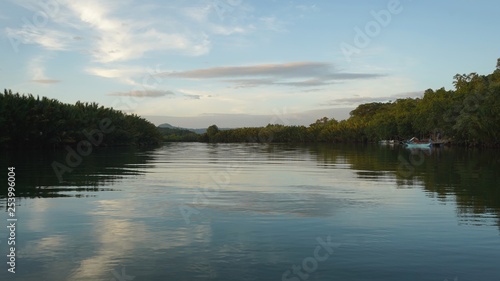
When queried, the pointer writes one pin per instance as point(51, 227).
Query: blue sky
point(241, 62)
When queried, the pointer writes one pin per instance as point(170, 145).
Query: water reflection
point(263, 214)
point(36, 178)
point(468, 177)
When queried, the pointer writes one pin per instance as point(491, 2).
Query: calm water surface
point(256, 212)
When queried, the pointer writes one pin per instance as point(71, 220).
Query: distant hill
point(170, 133)
point(166, 125)
point(197, 131)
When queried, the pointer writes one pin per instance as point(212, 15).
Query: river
point(195, 211)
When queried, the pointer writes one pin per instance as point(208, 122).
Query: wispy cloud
point(360, 99)
point(250, 83)
point(145, 93)
point(192, 94)
point(295, 74)
point(121, 38)
point(294, 69)
point(37, 70)
point(123, 73)
point(273, 24)
point(114, 34)
point(194, 97)
point(48, 39)
point(307, 8)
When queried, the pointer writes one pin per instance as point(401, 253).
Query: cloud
point(294, 69)
point(37, 70)
point(46, 81)
point(112, 32)
point(194, 97)
point(146, 93)
point(193, 94)
point(197, 13)
point(252, 120)
point(116, 72)
point(360, 100)
point(250, 83)
point(314, 82)
point(129, 75)
point(294, 74)
point(273, 24)
point(48, 39)
point(125, 38)
point(307, 8)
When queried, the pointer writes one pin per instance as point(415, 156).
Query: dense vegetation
point(178, 135)
point(468, 115)
point(26, 121)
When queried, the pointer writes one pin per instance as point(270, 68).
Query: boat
point(419, 145)
point(415, 143)
point(390, 142)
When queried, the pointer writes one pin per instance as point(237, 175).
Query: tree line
point(468, 115)
point(178, 135)
point(28, 121)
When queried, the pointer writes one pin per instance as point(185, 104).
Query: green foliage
point(178, 135)
point(469, 115)
point(43, 122)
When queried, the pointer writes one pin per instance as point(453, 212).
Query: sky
point(241, 63)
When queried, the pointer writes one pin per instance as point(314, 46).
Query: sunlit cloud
point(115, 35)
point(295, 74)
point(125, 38)
point(114, 216)
point(114, 72)
point(128, 75)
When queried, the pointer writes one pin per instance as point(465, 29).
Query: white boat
point(414, 143)
point(418, 145)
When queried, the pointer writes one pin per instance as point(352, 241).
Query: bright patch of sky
point(235, 61)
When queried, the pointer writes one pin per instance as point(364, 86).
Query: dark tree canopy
point(43, 122)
